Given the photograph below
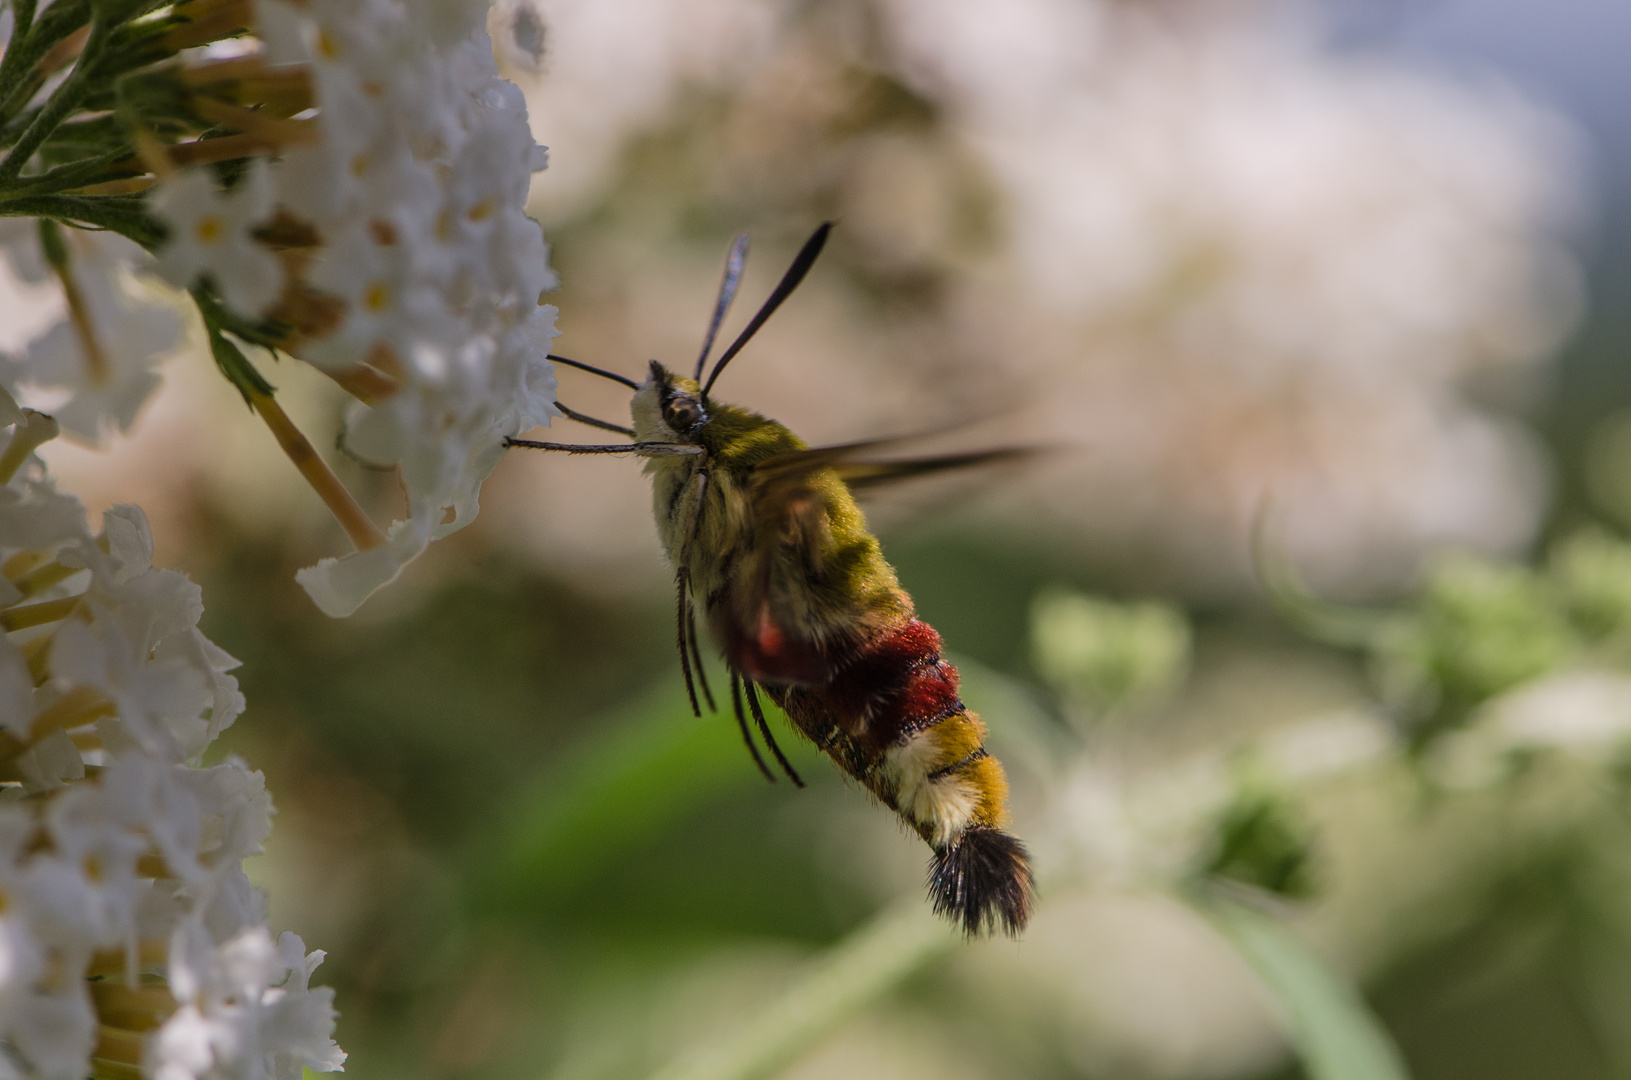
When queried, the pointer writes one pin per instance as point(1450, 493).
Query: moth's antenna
point(604, 425)
point(790, 281)
point(727, 292)
point(591, 369)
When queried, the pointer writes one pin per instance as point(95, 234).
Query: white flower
point(211, 236)
point(388, 306)
point(303, 1017)
point(16, 688)
point(361, 168)
point(338, 586)
point(35, 517)
point(249, 1012)
point(112, 375)
point(483, 391)
point(54, 1031)
point(147, 851)
point(417, 182)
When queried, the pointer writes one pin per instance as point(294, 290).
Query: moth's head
point(668, 408)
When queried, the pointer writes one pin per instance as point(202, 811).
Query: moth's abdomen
point(892, 718)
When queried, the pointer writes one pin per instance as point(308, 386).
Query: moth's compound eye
point(682, 414)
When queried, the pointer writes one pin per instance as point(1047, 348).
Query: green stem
point(77, 174)
point(60, 107)
point(12, 131)
point(263, 332)
point(24, 18)
point(18, 80)
point(869, 963)
point(99, 133)
point(228, 357)
point(122, 214)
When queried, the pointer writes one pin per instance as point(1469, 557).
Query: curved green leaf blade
point(1333, 1030)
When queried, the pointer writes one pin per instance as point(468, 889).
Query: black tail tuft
point(983, 881)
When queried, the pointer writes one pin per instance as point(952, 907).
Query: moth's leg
point(764, 730)
point(696, 653)
point(682, 575)
point(742, 723)
point(693, 512)
point(681, 608)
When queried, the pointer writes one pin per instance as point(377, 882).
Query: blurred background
point(1356, 270)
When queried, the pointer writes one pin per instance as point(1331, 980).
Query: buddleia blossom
point(130, 937)
point(211, 235)
point(99, 361)
point(413, 182)
point(342, 181)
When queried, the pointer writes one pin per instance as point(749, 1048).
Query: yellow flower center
point(209, 229)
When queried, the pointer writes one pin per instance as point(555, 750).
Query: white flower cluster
point(412, 177)
point(130, 937)
point(95, 368)
point(416, 184)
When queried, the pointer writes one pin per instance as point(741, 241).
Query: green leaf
point(1263, 840)
point(231, 360)
point(658, 761)
point(17, 83)
point(1333, 1030)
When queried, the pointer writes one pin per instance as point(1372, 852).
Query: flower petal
point(339, 586)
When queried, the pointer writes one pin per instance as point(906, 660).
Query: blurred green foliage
point(1103, 655)
point(1263, 839)
point(1592, 574)
point(1478, 628)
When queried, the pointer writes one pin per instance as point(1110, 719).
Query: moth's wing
point(790, 503)
point(789, 494)
point(863, 475)
point(859, 468)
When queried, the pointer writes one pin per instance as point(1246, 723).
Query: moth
point(766, 538)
